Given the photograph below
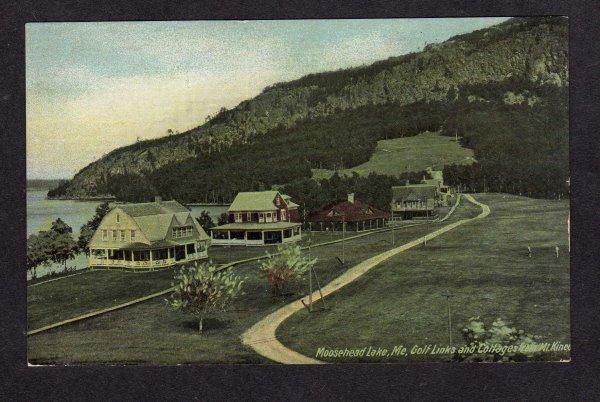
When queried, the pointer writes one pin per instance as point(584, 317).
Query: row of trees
point(57, 245)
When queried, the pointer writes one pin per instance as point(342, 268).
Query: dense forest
point(503, 91)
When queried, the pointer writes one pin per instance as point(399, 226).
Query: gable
point(117, 219)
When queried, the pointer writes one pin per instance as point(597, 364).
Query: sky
point(92, 87)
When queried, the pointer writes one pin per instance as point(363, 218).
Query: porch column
point(228, 237)
point(185, 250)
point(262, 236)
point(132, 259)
point(282, 235)
point(245, 237)
point(150, 257)
point(169, 252)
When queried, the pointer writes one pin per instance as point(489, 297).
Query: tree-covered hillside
point(502, 89)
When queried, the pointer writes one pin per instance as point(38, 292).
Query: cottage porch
point(149, 258)
point(255, 234)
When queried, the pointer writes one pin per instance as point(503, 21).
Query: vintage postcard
point(298, 191)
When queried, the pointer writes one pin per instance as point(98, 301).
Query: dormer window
point(183, 231)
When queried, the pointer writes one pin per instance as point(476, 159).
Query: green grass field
point(89, 291)
point(152, 333)
point(482, 264)
point(399, 155)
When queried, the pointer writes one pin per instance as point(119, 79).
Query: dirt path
point(261, 336)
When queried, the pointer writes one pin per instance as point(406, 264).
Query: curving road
point(261, 336)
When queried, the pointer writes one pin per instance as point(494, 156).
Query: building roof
point(414, 192)
point(254, 201)
point(257, 226)
point(155, 218)
point(152, 208)
point(347, 211)
point(289, 202)
point(258, 201)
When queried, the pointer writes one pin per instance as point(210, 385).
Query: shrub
point(497, 343)
point(285, 266)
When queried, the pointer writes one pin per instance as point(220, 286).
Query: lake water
point(42, 212)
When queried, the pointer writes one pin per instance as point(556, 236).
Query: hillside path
point(261, 336)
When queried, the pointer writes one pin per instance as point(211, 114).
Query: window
point(183, 231)
point(104, 234)
point(122, 235)
point(118, 218)
point(283, 217)
point(133, 235)
point(114, 235)
point(238, 217)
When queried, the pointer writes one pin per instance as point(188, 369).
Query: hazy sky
point(92, 87)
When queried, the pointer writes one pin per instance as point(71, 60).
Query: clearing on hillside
point(408, 154)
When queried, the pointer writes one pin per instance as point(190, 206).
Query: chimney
point(157, 198)
point(351, 198)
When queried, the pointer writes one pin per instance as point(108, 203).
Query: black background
point(577, 380)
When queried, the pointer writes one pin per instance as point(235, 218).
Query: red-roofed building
point(357, 215)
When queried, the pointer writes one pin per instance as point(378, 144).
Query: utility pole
point(448, 296)
point(309, 279)
point(343, 239)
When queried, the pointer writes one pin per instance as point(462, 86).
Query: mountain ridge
point(533, 49)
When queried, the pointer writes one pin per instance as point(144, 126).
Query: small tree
point(201, 290)
point(38, 252)
point(89, 228)
point(62, 247)
point(285, 266)
point(205, 220)
point(223, 219)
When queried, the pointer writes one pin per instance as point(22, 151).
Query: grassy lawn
point(151, 333)
point(483, 265)
point(70, 297)
point(399, 155)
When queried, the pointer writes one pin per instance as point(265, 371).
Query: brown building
point(354, 213)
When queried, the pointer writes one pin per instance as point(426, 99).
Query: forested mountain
point(503, 90)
